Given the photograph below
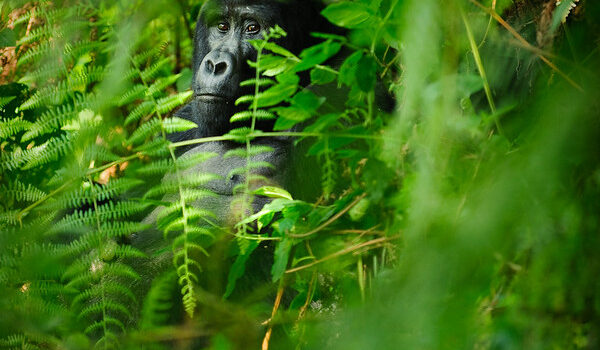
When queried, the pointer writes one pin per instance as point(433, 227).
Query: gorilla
point(221, 53)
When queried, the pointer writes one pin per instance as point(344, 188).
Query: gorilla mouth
point(212, 98)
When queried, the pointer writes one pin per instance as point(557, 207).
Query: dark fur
point(231, 53)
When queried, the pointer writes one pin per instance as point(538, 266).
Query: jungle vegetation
point(466, 216)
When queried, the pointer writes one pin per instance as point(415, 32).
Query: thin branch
point(350, 249)
point(331, 220)
point(526, 44)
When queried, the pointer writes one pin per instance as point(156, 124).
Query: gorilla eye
point(253, 28)
point(223, 26)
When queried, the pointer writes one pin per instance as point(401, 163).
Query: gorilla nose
point(218, 64)
point(216, 68)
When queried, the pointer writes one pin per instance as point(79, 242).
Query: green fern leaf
point(19, 191)
point(260, 114)
point(160, 85)
point(51, 95)
point(143, 109)
point(12, 127)
point(134, 93)
point(243, 152)
point(51, 121)
point(4, 100)
point(145, 131)
point(261, 82)
point(176, 124)
point(152, 71)
point(158, 304)
point(169, 103)
point(48, 152)
point(172, 184)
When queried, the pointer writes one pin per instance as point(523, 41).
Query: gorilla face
point(221, 54)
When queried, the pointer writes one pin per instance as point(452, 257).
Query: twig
point(479, 63)
point(526, 44)
point(331, 220)
point(280, 289)
point(343, 252)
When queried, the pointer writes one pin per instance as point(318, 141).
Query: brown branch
point(526, 44)
point(344, 251)
point(331, 220)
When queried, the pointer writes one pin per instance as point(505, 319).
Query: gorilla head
point(222, 50)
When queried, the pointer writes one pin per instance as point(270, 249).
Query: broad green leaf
point(282, 254)
point(317, 54)
point(280, 92)
point(366, 73)
point(347, 14)
point(358, 211)
point(238, 267)
point(319, 76)
point(185, 80)
point(347, 74)
point(278, 50)
point(307, 101)
point(273, 192)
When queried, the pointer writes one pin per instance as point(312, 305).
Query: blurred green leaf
point(7, 38)
point(347, 14)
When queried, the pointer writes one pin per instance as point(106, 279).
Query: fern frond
point(99, 154)
point(127, 251)
point(38, 34)
point(10, 217)
point(51, 121)
point(50, 151)
point(161, 84)
point(158, 303)
point(152, 71)
point(176, 124)
point(4, 100)
point(243, 152)
point(157, 167)
point(190, 195)
point(244, 99)
point(261, 82)
point(145, 55)
point(73, 51)
point(104, 213)
point(98, 308)
point(158, 147)
point(145, 131)
point(133, 93)
point(250, 166)
point(34, 53)
point(260, 114)
point(108, 230)
point(12, 127)
point(172, 184)
point(169, 103)
point(189, 160)
point(143, 109)
point(21, 192)
point(110, 287)
point(14, 160)
point(87, 76)
point(105, 322)
point(42, 75)
point(51, 95)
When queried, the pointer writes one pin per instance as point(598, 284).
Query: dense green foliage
point(466, 217)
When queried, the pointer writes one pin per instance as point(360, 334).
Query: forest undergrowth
point(466, 215)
